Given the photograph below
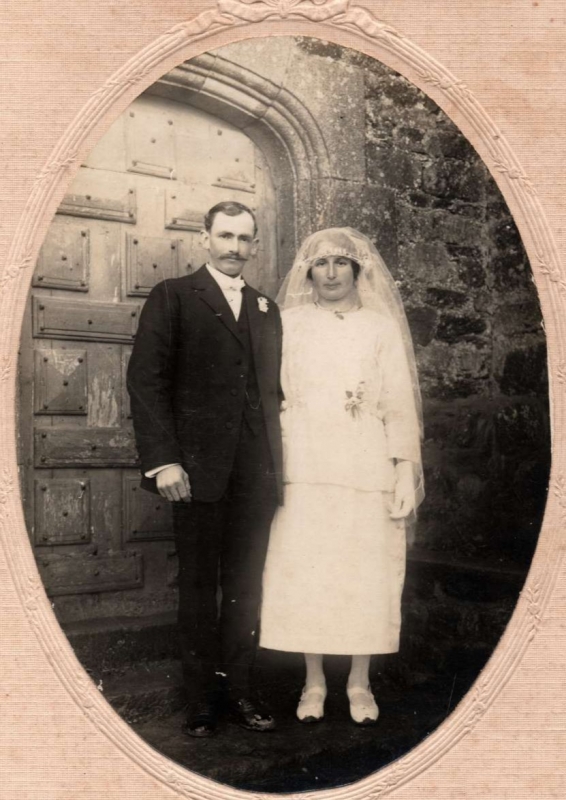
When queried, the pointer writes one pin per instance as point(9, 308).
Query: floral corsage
point(355, 401)
point(263, 304)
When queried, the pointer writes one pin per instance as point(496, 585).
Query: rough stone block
point(318, 47)
point(426, 263)
point(439, 297)
point(415, 225)
point(459, 207)
point(422, 322)
point(402, 93)
point(452, 328)
point(470, 264)
point(380, 123)
point(452, 371)
point(390, 167)
point(412, 139)
point(518, 317)
point(456, 229)
point(419, 199)
point(496, 207)
point(483, 302)
point(370, 66)
point(505, 235)
point(510, 270)
point(452, 424)
point(453, 180)
point(452, 144)
point(530, 473)
point(521, 427)
point(525, 372)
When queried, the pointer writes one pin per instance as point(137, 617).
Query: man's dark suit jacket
point(187, 380)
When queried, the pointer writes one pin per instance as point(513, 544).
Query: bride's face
point(333, 278)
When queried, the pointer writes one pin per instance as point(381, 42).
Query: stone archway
point(279, 123)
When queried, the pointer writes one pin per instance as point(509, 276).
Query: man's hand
point(404, 499)
point(173, 484)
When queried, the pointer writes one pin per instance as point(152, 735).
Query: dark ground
point(299, 757)
point(454, 615)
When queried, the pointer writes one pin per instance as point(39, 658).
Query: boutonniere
point(263, 304)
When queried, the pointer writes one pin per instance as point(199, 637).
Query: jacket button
point(239, 362)
point(233, 392)
point(229, 425)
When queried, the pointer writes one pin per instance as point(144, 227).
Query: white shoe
point(311, 704)
point(363, 708)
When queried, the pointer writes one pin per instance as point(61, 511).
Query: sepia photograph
point(283, 407)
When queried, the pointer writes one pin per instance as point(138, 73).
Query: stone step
point(432, 574)
point(454, 611)
point(146, 692)
point(108, 646)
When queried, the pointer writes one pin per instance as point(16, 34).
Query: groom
point(204, 387)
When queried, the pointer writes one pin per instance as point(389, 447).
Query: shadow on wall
point(441, 224)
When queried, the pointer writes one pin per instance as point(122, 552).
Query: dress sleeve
point(397, 397)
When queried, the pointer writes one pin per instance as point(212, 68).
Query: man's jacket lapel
point(255, 321)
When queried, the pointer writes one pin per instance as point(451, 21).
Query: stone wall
point(418, 189)
point(476, 323)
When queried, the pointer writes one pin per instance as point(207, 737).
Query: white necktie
point(234, 285)
point(232, 291)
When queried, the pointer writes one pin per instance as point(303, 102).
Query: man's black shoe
point(248, 715)
point(201, 720)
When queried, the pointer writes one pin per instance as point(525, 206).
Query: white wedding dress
point(336, 561)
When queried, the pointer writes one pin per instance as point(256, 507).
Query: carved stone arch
point(277, 122)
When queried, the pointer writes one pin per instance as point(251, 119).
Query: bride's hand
point(404, 497)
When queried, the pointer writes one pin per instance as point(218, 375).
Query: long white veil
point(376, 289)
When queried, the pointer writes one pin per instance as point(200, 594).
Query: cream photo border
point(59, 738)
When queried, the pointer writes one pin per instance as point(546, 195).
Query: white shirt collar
point(226, 282)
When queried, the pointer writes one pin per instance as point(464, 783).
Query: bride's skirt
point(334, 573)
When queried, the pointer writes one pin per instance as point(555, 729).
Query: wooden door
point(131, 219)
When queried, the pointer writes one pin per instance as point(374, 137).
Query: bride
point(351, 432)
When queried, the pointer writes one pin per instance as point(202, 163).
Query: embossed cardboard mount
point(348, 24)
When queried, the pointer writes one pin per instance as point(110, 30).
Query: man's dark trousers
point(225, 539)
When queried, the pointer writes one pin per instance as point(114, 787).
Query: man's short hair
point(230, 207)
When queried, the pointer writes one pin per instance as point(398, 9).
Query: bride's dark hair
point(356, 269)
